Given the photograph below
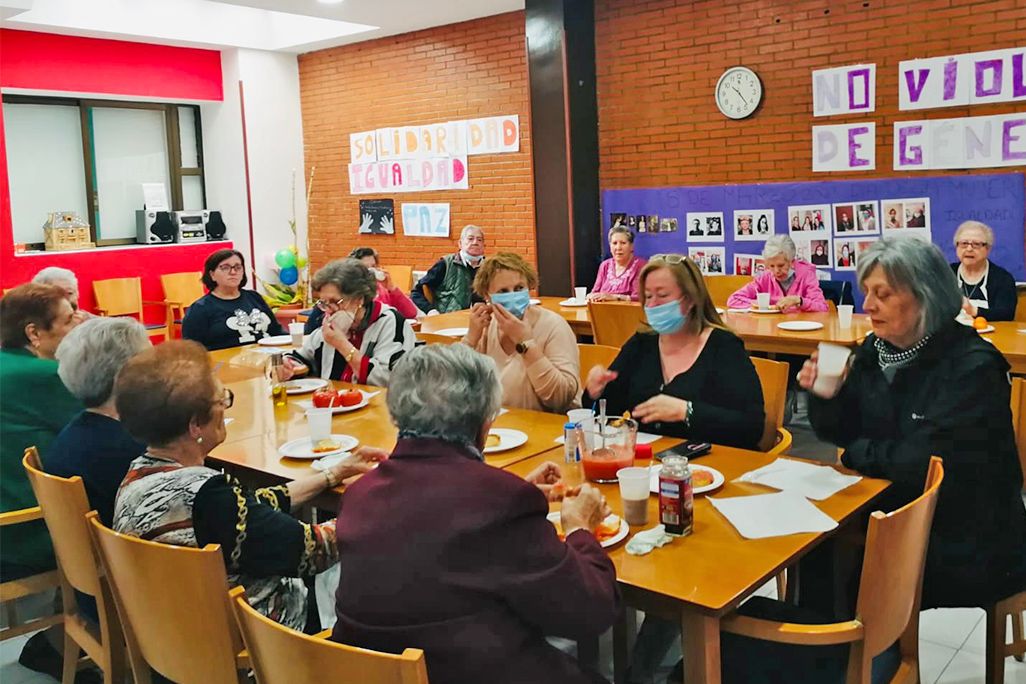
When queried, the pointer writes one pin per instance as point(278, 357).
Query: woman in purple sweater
point(618, 275)
point(792, 284)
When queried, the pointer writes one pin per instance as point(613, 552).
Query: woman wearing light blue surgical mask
point(534, 348)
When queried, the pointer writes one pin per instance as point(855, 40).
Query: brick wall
point(461, 71)
point(658, 62)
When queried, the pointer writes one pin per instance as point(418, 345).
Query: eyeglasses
point(325, 305)
point(668, 258)
point(228, 400)
point(975, 244)
point(231, 268)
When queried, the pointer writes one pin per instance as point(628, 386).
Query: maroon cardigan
point(444, 553)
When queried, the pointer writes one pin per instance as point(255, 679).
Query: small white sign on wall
point(426, 220)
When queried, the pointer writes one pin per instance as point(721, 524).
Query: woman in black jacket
point(921, 385)
point(987, 289)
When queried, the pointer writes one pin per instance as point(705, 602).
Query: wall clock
point(738, 92)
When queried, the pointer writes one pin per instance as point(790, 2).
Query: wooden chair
point(65, 505)
point(12, 590)
point(614, 322)
point(888, 604)
point(280, 654)
point(1019, 421)
point(173, 603)
point(595, 355)
point(773, 378)
point(402, 276)
point(1020, 304)
point(180, 291)
point(721, 287)
point(123, 297)
point(434, 338)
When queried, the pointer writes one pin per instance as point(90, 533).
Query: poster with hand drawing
point(377, 216)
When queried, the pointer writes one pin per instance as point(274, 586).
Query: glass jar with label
point(676, 497)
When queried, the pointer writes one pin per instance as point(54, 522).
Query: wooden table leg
point(700, 643)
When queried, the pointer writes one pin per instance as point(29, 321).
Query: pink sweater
point(805, 285)
point(624, 284)
point(397, 299)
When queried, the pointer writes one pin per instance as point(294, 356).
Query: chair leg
point(71, 653)
point(995, 659)
point(117, 668)
point(1017, 633)
point(782, 585)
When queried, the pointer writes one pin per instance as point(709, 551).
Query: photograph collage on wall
point(646, 223)
point(704, 226)
point(908, 217)
point(710, 260)
point(856, 217)
point(753, 224)
point(809, 219)
point(749, 264)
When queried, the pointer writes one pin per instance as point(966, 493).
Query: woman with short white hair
point(987, 289)
point(791, 283)
point(67, 281)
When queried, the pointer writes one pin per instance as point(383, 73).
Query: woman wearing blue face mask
point(534, 348)
point(684, 374)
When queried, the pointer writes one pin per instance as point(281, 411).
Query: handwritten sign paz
point(971, 142)
point(844, 147)
point(844, 90)
point(426, 220)
point(960, 80)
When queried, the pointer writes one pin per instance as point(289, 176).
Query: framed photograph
point(745, 264)
point(753, 224)
point(642, 225)
point(617, 220)
point(861, 246)
point(809, 219)
point(844, 219)
point(867, 217)
point(668, 225)
point(907, 217)
point(844, 254)
point(893, 215)
point(704, 226)
point(710, 260)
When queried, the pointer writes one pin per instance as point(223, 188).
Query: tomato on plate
point(350, 397)
point(325, 398)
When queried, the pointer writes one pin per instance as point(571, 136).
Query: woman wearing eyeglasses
point(169, 399)
point(684, 374)
point(361, 339)
point(987, 289)
point(228, 316)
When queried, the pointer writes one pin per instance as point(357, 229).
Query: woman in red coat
point(447, 554)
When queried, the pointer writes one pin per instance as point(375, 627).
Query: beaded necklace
point(889, 356)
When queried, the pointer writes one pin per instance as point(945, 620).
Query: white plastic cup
point(579, 415)
point(844, 314)
point(634, 483)
point(319, 420)
point(762, 300)
point(296, 330)
point(580, 293)
point(830, 368)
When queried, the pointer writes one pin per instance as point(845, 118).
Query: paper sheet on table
point(773, 515)
point(642, 438)
point(816, 482)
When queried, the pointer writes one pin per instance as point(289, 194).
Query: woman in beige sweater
point(534, 348)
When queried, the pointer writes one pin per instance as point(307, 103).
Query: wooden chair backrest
point(428, 294)
point(595, 355)
point(614, 323)
point(65, 504)
point(280, 654)
point(182, 288)
point(173, 602)
point(721, 287)
point(402, 276)
point(831, 306)
point(892, 570)
point(773, 378)
point(1020, 304)
point(119, 296)
point(1019, 421)
point(434, 338)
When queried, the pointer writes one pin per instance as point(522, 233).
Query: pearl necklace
point(888, 356)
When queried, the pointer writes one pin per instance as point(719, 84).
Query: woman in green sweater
point(34, 407)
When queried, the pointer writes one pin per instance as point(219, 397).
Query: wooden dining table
point(706, 575)
point(576, 316)
point(1009, 337)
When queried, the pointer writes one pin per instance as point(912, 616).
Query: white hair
point(777, 245)
point(988, 234)
point(468, 229)
point(92, 354)
point(55, 274)
point(444, 391)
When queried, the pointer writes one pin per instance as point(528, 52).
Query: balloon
point(289, 275)
point(293, 249)
point(285, 258)
point(301, 261)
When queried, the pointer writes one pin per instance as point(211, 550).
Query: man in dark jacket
point(450, 280)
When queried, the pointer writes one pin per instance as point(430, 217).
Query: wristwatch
point(522, 347)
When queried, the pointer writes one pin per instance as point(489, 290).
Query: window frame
point(174, 151)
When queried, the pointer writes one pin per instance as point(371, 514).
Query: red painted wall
point(43, 61)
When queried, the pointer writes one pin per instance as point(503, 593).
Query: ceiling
point(278, 25)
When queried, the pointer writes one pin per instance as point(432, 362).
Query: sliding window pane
point(44, 165)
point(192, 193)
point(130, 148)
point(187, 136)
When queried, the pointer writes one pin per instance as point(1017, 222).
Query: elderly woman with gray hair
point(361, 339)
point(791, 283)
point(460, 555)
point(67, 281)
point(922, 385)
point(987, 289)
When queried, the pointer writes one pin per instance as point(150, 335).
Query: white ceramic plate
point(988, 329)
point(276, 341)
point(306, 405)
point(304, 385)
point(718, 479)
point(303, 447)
point(800, 326)
point(613, 517)
point(574, 302)
point(764, 311)
point(508, 439)
point(452, 332)
point(536, 302)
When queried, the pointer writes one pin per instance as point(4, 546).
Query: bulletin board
point(999, 200)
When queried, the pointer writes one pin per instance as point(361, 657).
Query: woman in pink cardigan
point(618, 275)
point(792, 284)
